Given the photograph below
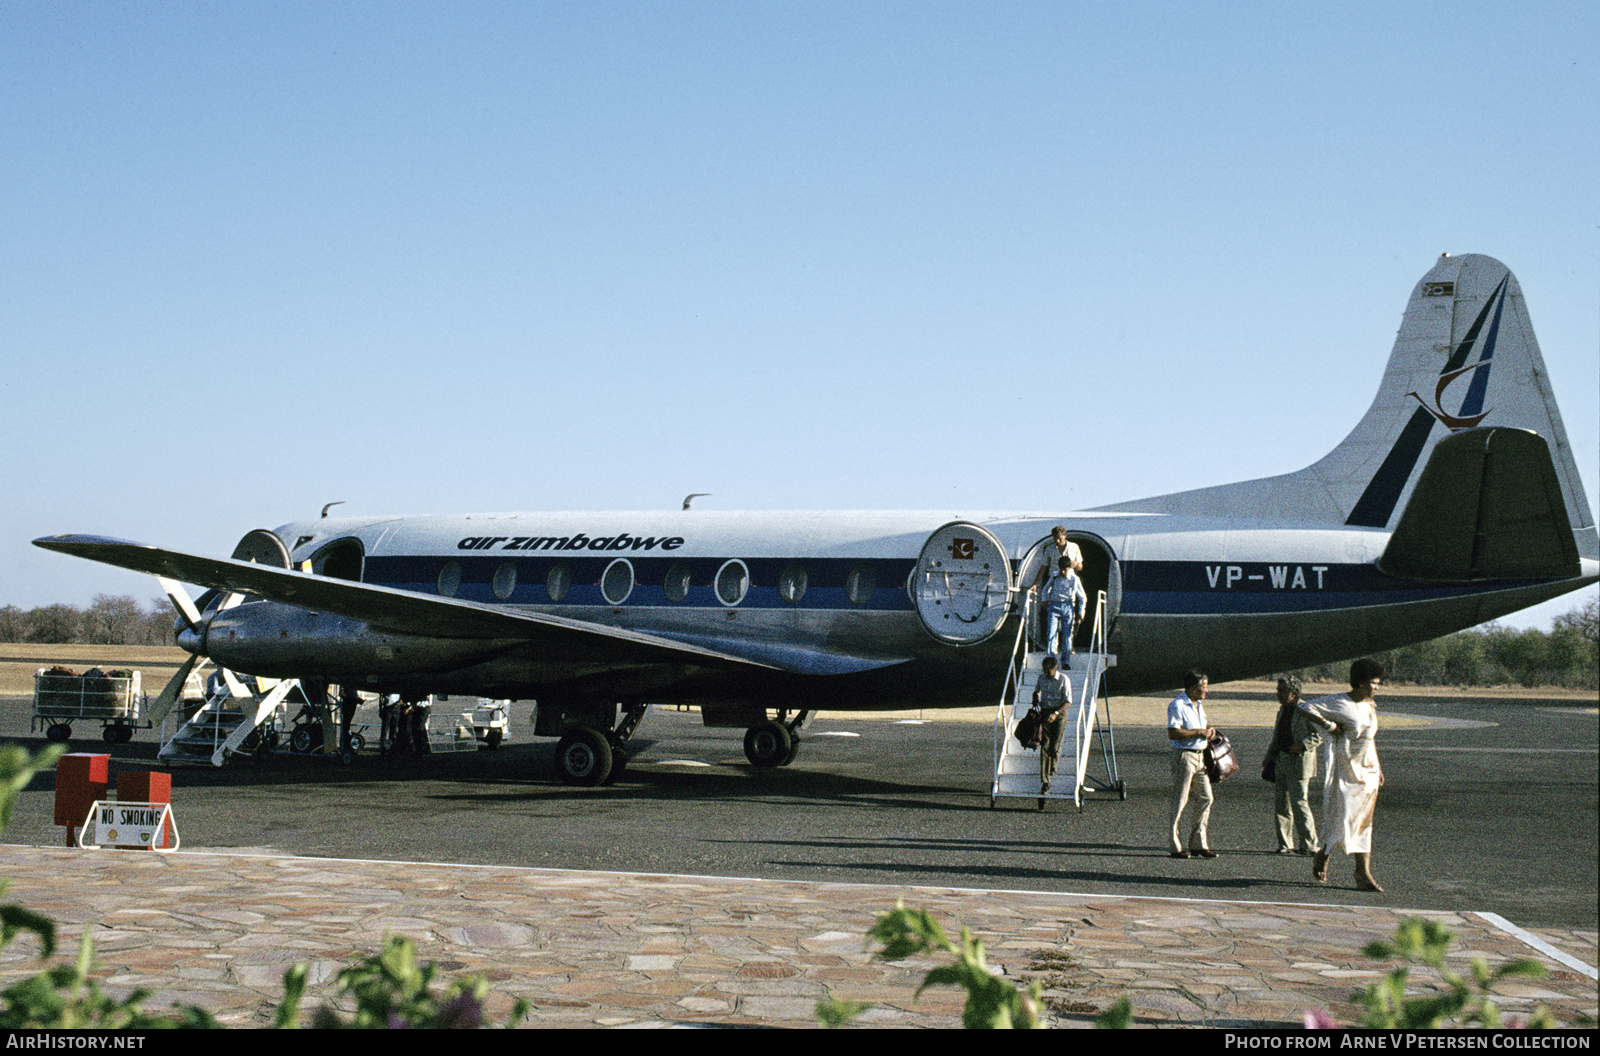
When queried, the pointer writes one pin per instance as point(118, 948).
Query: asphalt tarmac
point(1489, 806)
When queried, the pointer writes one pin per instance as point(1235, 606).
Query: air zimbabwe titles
point(568, 542)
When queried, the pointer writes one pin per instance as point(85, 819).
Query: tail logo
point(1455, 423)
point(1471, 410)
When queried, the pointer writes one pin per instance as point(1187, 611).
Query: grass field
point(19, 662)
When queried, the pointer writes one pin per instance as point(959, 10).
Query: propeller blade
point(181, 601)
point(173, 691)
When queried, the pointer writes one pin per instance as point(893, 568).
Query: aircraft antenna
point(331, 505)
point(687, 499)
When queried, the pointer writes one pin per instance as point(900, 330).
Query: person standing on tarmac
point(1293, 754)
point(1188, 734)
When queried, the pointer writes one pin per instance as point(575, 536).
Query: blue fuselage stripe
point(1148, 587)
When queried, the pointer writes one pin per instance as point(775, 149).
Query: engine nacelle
point(285, 641)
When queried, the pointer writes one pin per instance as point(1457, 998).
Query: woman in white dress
point(1351, 791)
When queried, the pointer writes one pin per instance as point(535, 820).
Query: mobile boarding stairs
point(1017, 769)
point(234, 721)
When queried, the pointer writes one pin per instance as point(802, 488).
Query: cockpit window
point(340, 559)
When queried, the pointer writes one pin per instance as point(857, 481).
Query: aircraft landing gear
point(768, 745)
point(592, 751)
point(619, 763)
point(774, 743)
point(584, 757)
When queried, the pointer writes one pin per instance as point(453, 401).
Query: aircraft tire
point(768, 745)
point(583, 757)
point(794, 750)
point(59, 733)
point(619, 763)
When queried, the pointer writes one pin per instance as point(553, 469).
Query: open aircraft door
point(1101, 571)
point(962, 585)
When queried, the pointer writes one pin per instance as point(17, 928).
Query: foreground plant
point(992, 1002)
point(392, 990)
point(1425, 942)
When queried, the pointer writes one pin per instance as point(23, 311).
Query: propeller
point(173, 691)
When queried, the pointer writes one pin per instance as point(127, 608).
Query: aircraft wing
point(407, 612)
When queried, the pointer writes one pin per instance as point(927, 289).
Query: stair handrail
point(1086, 697)
point(1013, 681)
point(264, 706)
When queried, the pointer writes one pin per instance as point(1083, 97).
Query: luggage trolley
point(113, 698)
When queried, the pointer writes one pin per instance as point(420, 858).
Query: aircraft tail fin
point(1465, 357)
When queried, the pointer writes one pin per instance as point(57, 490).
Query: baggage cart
point(114, 699)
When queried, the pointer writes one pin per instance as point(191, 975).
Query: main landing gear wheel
point(584, 757)
point(769, 745)
point(619, 763)
point(59, 733)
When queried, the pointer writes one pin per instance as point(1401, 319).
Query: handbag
point(1269, 768)
point(1219, 759)
point(1030, 729)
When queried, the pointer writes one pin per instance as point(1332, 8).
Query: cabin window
point(733, 579)
point(859, 584)
point(559, 581)
point(792, 583)
point(617, 582)
point(676, 585)
point(449, 579)
point(505, 580)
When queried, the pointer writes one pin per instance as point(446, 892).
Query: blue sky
point(447, 257)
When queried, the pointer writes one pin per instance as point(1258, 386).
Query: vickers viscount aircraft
point(1454, 500)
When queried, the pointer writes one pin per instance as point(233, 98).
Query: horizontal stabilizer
point(1488, 505)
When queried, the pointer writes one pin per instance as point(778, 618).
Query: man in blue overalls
point(1064, 602)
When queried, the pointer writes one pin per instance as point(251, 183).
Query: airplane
point(1453, 501)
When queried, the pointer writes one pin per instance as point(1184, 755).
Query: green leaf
point(1118, 1017)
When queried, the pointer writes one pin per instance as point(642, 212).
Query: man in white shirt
point(1064, 547)
point(1187, 735)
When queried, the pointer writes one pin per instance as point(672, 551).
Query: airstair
point(1016, 769)
point(224, 724)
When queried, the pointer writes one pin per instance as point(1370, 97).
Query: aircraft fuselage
point(1237, 598)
